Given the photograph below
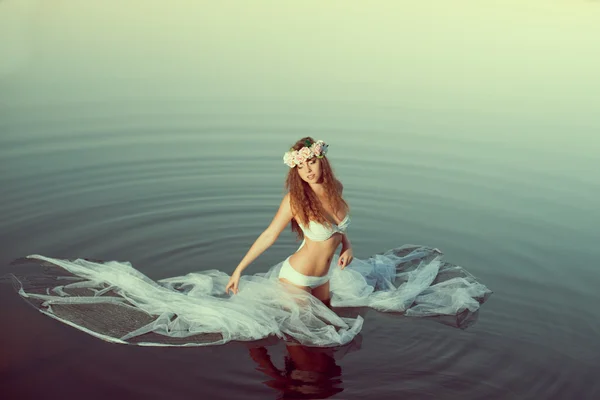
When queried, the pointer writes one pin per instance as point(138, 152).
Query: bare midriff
point(314, 258)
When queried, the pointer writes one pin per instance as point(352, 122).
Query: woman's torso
point(314, 257)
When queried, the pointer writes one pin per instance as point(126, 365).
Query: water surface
point(163, 147)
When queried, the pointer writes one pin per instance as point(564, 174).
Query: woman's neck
point(318, 189)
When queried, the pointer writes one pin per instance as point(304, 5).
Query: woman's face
point(310, 170)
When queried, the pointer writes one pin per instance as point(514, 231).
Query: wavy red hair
point(304, 202)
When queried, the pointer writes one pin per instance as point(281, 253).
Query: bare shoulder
point(286, 205)
point(286, 200)
point(282, 217)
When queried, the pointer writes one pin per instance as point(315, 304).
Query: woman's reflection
point(307, 372)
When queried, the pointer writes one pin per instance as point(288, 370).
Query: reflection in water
point(307, 372)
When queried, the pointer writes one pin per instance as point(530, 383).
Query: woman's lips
point(311, 176)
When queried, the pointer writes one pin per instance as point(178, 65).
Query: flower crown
point(311, 149)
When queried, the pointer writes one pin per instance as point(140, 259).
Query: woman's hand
point(232, 285)
point(346, 257)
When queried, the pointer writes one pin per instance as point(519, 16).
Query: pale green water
point(154, 133)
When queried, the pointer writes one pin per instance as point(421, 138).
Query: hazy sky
point(511, 55)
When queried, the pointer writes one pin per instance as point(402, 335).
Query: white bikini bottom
point(295, 277)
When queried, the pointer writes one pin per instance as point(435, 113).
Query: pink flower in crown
point(306, 153)
point(317, 148)
point(298, 158)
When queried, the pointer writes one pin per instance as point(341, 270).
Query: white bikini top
point(318, 232)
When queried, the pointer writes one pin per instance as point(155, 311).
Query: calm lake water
point(177, 167)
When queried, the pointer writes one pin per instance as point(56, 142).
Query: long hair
point(304, 202)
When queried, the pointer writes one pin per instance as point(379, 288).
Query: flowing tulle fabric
point(116, 302)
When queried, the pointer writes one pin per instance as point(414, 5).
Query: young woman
point(319, 215)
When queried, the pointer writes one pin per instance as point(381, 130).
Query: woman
point(319, 215)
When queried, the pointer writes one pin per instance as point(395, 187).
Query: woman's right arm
point(263, 242)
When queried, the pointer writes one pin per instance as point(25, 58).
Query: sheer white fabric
point(114, 301)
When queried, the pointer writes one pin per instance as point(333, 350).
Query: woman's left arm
point(346, 254)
